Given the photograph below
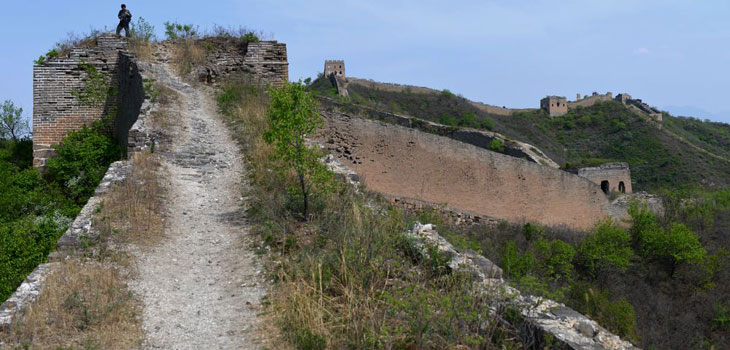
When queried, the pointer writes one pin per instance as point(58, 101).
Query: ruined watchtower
point(554, 105)
point(612, 177)
point(336, 67)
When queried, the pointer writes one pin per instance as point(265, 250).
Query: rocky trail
point(201, 286)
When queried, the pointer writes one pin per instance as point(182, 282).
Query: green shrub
point(82, 159)
point(487, 123)
point(722, 316)
point(555, 258)
point(174, 31)
point(24, 244)
point(142, 31)
point(516, 265)
point(673, 246)
point(496, 145)
point(678, 245)
point(609, 246)
point(617, 315)
point(448, 120)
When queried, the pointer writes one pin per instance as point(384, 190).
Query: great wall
point(401, 161)
point(554, 106)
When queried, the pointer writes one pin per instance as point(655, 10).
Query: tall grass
point(349, 277)
point(188, 54)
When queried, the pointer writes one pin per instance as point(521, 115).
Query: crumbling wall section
point(56, 108)
point(264, 60)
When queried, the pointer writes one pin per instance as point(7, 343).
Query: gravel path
point(202, 285)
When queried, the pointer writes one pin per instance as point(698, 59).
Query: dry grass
point(142, 49)
point(132, 210)
point(188, 54)
point(347, 277)
point(83, 306)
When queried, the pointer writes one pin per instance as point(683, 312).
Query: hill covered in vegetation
point(676, 153)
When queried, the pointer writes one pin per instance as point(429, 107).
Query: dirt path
point(202, 285)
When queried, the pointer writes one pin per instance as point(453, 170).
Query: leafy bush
point(722, 316)
point(448, 120)
point(81, 161)
point(555, 258)
point(242, 33)
point(678, 245)
point(174, 31)
point(24, 244)
point(516, 265)
point(142, 31)
point(674, 246)
point(496, 145)
point(609, 246)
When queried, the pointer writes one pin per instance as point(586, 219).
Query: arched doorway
point(621, 187)
point(604, 186)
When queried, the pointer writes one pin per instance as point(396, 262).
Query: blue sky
point(674, 54)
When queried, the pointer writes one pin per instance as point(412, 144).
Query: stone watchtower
point(554, 105)
point(612, 177)
point(336, 67)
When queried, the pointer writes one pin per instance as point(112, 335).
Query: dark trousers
point(123, 25)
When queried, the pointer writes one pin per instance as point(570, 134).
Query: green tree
point(12, 124)
point(609, 246)
point(292, 116)
point(555, 257)
point(675, 246)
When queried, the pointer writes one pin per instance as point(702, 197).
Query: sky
point(673, 54)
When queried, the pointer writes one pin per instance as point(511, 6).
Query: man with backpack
point(124, 18)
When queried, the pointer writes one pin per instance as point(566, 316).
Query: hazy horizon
point(671, 54)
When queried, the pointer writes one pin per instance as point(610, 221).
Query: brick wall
point(265, 60)
point(56, 111)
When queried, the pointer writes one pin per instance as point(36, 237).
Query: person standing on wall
point(124, 18)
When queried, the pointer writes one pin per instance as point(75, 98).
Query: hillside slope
point(681, 152)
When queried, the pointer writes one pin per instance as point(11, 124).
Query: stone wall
point(588, 101)
point(571, 329)
point(56, 111)
point(265, 60)
point(612, 177)
point(407, 163)
point(479, 138)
